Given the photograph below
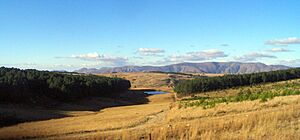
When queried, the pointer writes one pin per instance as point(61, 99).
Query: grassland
point(157, 81)
point(259, 92)
point(160, 117)
point(141, 80)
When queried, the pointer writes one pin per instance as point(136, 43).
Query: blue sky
point(71, 34)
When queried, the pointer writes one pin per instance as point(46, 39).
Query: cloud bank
point(278, 50)
point(253, 57)
point(106, 59)
point(150, 51)
point(195, 56)
point(283, 42)
point(293, 63)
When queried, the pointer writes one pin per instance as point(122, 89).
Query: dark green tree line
point(234, 80)
point(19, 85)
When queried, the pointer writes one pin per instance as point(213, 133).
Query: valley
point(149, 70)
point(162, 116)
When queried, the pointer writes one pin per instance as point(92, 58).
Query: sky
point(72, 34)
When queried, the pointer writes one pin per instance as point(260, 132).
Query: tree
point(228, 81)
point(16, 85)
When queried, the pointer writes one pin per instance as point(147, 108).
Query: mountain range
point(206, 67)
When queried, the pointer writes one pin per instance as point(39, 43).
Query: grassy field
point(161, 117)
point(259, 92)
point(157, 81)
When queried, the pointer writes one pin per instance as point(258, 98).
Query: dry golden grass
point(150, 80)
point(276, 119)
point(107, 119)
point(207, 74)
point(144, 80)
point(162, 118)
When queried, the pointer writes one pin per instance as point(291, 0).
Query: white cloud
point(114, 61)
point(195, 56)
point(88, 56)
point(292, 63)
point(283, 42)
point(41, 66)
point(150, 51)
point(279, 50)
point(253, 57)
point(106, 59)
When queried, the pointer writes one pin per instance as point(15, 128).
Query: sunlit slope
point(276, 118)
point(115, 118)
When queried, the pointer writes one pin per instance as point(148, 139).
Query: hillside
point(260, 111)
point(207, 67)
point(274, 118)
point(234, 80)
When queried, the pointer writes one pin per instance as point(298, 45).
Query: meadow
point(262, 93)
point(263, 111)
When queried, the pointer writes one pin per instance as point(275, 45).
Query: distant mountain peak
point(205, 67)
